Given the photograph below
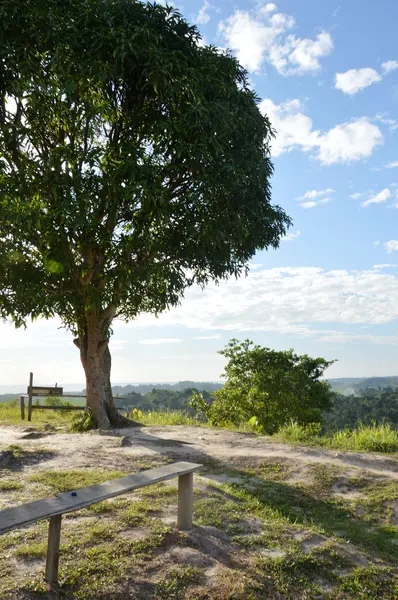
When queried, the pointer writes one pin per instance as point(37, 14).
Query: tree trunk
point(96, 360)
point(116, 419)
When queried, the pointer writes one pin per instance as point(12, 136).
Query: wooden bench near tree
point(54, 508)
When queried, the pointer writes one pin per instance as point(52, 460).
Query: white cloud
point(391, 246)
point(157, 341)
point(264, 36)
point(349, 142)
point(354, 80)
point(384, 266)
point(289, 237)
point(207, 337)
point(390, 65)
point(315, 193)
point(313, 203)
point(380, 197)
point(356, 196)
point(392, 123)
point(287, 300)
point(344, 143)
point(391, 165)
point(341, 337)
point(203, 16)
point(268, 8)
point(309, 204)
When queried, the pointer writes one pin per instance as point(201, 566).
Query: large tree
point(134, 162)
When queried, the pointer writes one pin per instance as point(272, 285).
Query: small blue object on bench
point(54, 508)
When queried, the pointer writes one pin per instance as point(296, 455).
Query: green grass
point(263, 521)
point(373, 438)
point(11, 415)
point(64, 481)
point(166, 417)
point(10, 485)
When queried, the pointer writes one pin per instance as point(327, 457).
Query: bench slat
point(12, 518)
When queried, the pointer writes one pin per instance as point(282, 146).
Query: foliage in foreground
point(268, 388)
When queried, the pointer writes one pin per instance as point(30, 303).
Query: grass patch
point(166, 417)
point(174, 586)
point(369, 583)
point(373, 438)
point(11, 415)
point(33, 550)
point(8, 485)
point(64, 481)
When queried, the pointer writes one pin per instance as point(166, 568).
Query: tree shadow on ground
point(297, 505)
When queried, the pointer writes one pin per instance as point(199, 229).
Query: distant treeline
point(367, 407)
point(355, 385)
point(144, 388)
point(161, 399)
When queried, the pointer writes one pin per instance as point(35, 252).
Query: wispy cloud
point(384, 266)
point(389, 66)
point(158, 341)
point(315, 194)
point(288, 300)
point(378, 198)
point(203, 16)
point(289, 237)
point(207, 337)
point(391, 246)
point(356, 196)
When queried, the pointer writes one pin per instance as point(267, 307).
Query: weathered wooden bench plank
point(20, 516)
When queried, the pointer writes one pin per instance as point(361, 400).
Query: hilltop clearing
point(271, 520)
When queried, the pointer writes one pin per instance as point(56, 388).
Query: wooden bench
point(54, 508)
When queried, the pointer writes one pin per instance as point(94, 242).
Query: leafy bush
point(267, 389)
point(84, 422)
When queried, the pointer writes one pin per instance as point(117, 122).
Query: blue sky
point(327, 74)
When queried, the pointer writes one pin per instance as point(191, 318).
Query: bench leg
point(54, 538)
point(185, 500)
point(22, 400)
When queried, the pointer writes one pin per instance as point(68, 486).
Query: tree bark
point(96, 360)
point(116, 419)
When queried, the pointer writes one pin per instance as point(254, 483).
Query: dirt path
point(109, 450)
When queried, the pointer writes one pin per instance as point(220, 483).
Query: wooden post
point(54, 538)
point(22, 400)
point(185, 500)
point(30, 397)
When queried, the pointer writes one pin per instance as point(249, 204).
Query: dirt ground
point(268, 518)
point(73, 451)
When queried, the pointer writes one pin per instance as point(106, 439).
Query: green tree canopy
point(134, 162)
point(272, 387)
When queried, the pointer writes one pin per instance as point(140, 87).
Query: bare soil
point(221, 557)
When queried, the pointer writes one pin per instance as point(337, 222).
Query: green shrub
point(84, 422)
point(267, 388)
